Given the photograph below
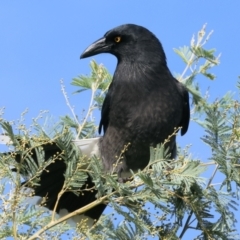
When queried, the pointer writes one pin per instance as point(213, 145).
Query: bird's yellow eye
point(117, 39)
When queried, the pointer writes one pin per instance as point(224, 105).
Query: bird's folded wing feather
point(186, 108)
point(186, 112)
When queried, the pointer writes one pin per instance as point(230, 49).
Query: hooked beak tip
point(97, 47)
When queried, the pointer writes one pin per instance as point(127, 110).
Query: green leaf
point(184, 53)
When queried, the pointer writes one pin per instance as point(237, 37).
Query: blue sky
point(41, 41)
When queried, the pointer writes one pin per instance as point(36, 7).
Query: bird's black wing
point(186, 109)
point(105, 112)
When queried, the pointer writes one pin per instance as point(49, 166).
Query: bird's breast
point(146, 115)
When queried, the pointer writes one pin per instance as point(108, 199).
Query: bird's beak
point(100, 46)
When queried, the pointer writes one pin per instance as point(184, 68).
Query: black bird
point(143, 105)
point(144, 102)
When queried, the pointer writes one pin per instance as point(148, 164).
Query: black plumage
point(143, 105)
point(144, 102)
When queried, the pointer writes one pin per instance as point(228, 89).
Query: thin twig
point(77, 212)
point(67, 101)
point(213, 175)
point(191, 59)
point(208, 164)
point(87, 115)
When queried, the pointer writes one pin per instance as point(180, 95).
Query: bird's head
point(128, 42)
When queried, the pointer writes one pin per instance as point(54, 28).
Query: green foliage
point(99, 79)
point(164, 201)
point(192, 57)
